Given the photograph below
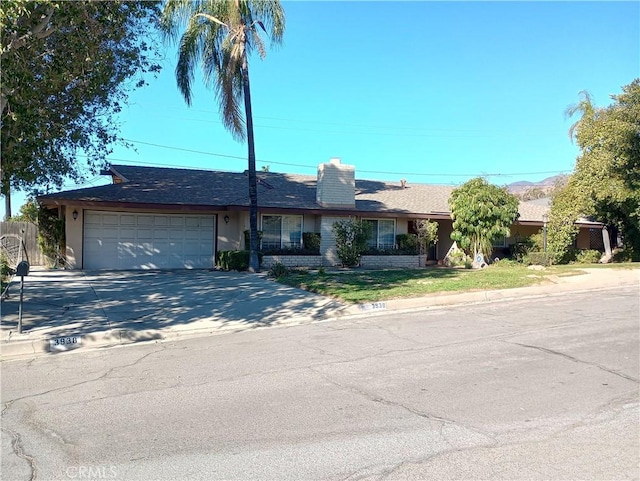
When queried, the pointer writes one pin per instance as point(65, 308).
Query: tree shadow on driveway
point(58, 303)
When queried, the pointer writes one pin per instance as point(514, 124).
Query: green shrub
point(51, 236)
point(507, 263)
point(458, 258)
point(626, 254)
point(537, 241)
point(537, 258)
point(5, 270)
point(521, 248)
point(278, 270)
point(407, 243)
point(523, 245)
point(588, 257)
point(351, 240)
point(427, 234)
point(235, 260)
point(311, 241)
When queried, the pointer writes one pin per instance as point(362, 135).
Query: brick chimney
point(336, 185)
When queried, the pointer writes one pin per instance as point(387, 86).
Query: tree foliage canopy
point(481, 213)
point(67, 68)
point(606, 181)
point(220, 36)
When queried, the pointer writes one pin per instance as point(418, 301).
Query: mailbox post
point(21, 270)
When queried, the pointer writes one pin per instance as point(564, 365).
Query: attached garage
point(128, 240)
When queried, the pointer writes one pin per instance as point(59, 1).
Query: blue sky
point(432, 92)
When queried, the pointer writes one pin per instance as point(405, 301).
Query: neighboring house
point(165, 218)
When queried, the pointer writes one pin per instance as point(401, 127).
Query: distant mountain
point(526, 190)
point(546, 184)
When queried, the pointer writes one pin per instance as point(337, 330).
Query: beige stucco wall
point(230, 236)
point(73, 234)
point(402, 226)
point(445, 227)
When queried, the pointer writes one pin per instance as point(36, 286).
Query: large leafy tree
point(606, 181)
point(67, 68)
point(220, 35)
point(481, 213)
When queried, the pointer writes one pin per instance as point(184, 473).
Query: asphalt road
point(535, 389)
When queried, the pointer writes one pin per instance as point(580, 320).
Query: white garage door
point(120, 240)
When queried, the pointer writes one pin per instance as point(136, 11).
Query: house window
point(500, 242)
point(382, 233)
point(281, 231)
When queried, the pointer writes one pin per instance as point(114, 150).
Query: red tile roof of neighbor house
point(155, 187)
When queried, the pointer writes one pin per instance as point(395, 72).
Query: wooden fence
point(29, 234)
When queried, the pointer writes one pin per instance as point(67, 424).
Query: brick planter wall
point(369, 262)
point(409, 262)
point(292, 261)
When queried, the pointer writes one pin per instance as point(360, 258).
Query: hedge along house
point(166, 218)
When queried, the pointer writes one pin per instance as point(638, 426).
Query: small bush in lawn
point(588, 257)
point(627, 254)
point(536, 259)
point(507, 263)
point(278, 270)
point(458, 258)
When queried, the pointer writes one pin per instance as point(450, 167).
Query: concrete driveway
point(108, 308)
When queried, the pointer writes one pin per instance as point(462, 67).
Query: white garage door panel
point(114, 240)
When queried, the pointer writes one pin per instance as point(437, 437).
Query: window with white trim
point(382, 233)
point(281, 231)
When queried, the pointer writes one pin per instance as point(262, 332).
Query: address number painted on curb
point(65, 343)
point(373, 306)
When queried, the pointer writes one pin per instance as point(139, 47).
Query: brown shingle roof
point(533, 210)
point(220, 190)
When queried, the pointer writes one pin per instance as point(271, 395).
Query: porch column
point(607, 244)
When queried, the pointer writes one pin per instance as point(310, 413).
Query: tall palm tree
point(220, 35)
point(586, 110)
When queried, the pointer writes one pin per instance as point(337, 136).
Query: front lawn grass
point(356, 285)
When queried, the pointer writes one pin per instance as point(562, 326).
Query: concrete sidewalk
point(102, 309)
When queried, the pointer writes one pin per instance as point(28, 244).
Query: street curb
point(20, 349)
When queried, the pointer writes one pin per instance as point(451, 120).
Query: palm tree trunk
point(254, 265)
